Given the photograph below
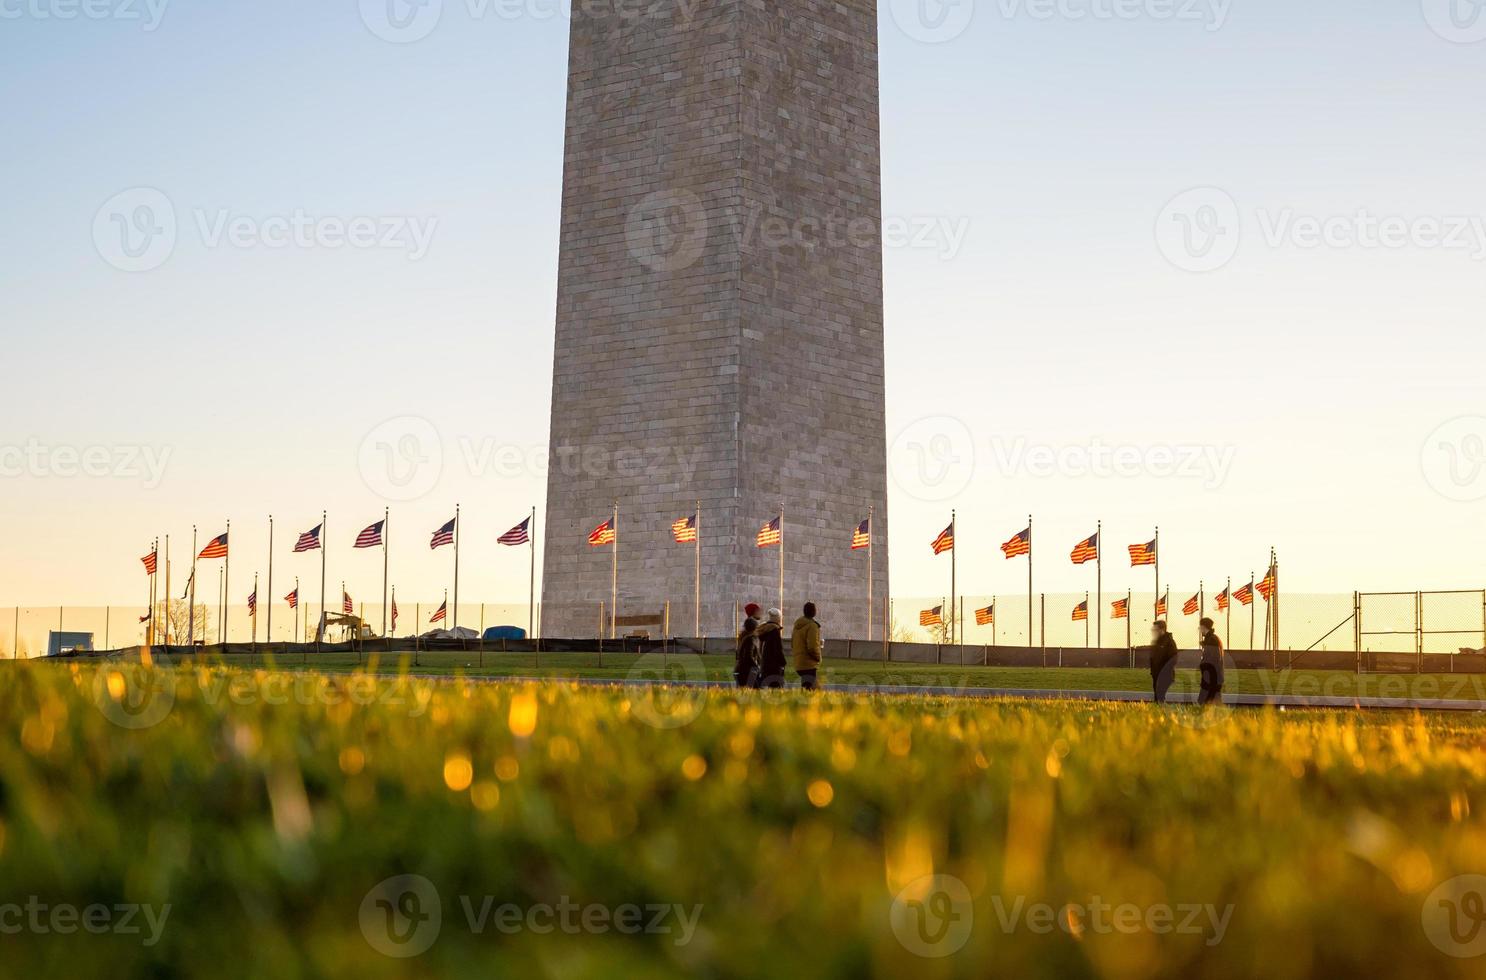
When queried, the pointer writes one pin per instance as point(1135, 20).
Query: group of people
point(760, 661)
point(1163, 662)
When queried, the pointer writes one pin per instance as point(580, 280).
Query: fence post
point(1356, 629)
point(1418, 632)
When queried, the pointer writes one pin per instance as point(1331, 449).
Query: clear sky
point(1301, 324)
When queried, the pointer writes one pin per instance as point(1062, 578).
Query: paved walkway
point(1032, 694)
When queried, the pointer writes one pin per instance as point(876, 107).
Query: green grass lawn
point(323, 825)
point(618, 666)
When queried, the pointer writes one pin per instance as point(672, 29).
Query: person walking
point(771, 651)
point(1163, 660)
point(1212, 664)
point(805, 643)
point(745, 667)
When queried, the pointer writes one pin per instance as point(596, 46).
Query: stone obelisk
point(719, 313)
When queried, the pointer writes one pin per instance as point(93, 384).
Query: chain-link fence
point(33, 631)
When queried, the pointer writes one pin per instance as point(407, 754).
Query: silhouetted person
point(805, 643)
point(771, 650)
point(745, 667)
point(1212, 664)
point(1163, 660)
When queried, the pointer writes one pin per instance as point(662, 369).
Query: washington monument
point(719, 313)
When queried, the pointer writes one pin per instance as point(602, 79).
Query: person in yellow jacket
point(805, 643)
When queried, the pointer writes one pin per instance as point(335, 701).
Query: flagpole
point(254, 612)
point(268, 620)
point(296, 609)
point(531, 605)
point(456, 567)
point(781, 558)
point(150, 630)
point(386, 544)
point(1228, 616)
point(220, 638)
point(1030, 621)
point(1129, 601)
point(1087, 611)
point(871, 509)
point(952, 551)
point(191, 616)
point(166, 611)
point(1157, 602)
point(1099, 581)
point(226, 580)
point(614, 573)
point(1252, 610)
point(696, 629)
point(324, 546)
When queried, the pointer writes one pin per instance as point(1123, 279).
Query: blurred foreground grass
point(804, 833)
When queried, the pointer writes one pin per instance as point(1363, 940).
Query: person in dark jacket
point(771, 650)
point(1212, 664)
point(745, 667)
point(1163, 660)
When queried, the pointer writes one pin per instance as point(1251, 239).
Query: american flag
point(1266, 584)
point(1081, 612)
point(1161, 604)
point(215, 548)
point(371, 537)
point(685, 530)
point(1121, 608)
point(932, 617)
point(520, 534)
point(1245, 594)
point(986, 616)
point(1143, 554)
point(945, 541)
point(394, 614)
point(293, 599)
point(862, 536)
point(253, 603)
point(347, 606)
point(1020, 544)
point(438, 614)
point(189, 579)
point(145, 618)
point(1222, 600)
point(602, 535)
point(771, 533)
point(1086, 550)
point(443, 536)
point(308, 541)
point(1190, 607)
point(151, 562)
